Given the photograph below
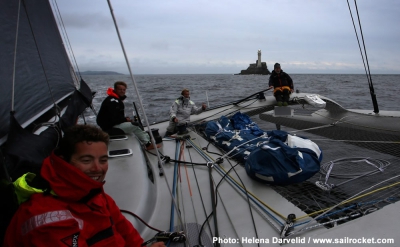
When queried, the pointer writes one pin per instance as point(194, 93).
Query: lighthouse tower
point(259, 59)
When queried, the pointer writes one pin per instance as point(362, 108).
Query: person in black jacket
point(282, 84)
point(112, 114)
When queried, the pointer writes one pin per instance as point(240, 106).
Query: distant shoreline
point(100, 72)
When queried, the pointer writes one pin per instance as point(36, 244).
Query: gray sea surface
point(157, 92)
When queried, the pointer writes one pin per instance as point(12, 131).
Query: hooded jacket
point(280, 81)
point(79, 214)
point(112, 111)
point(182, 108)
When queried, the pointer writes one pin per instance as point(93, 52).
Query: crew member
point(180, 112)
point(282, 84)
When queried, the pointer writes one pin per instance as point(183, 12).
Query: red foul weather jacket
point(81, 214)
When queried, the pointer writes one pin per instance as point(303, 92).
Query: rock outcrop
point(254, 70)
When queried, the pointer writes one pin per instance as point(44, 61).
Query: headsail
point(43, 73)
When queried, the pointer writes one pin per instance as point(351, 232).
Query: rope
point(247, 197)
point(326, 169)
point(182, 157)
point(173, 203)
point(352, 198)
point(191, 195)
point(366, 68)
point(134, 82)
point(201, 199)
point(68, 43)
point(242, 107)
point(15, 58)
point(263, 206)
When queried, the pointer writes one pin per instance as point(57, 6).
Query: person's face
point(186, 94)
point(92, 159)
point(277, 70)
point(120, 90)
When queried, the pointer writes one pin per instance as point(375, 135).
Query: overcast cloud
point(221, 36)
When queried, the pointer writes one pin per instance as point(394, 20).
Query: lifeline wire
point(140, 101)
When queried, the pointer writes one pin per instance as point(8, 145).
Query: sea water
point(157, 92)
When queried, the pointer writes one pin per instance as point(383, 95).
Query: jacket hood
point(110, 92)
point(67, 181)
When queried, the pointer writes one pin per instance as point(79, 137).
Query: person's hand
point(292, 90)
point(203, 106)
point(176, 120)
point(271, 86)
point(158, 244)
point(128, 119)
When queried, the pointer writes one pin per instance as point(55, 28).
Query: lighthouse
point(258, 68)
point(259, 59)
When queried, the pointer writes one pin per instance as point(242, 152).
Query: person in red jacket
point(74, 210)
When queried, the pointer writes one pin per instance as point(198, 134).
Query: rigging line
point(255, 200)
point(337, 121)
point(241, 107)
point(152, 139)
point(237, 186)
point(328, 166)
point(65, 35)
point(174, 206)
point(248, 200)
point(367, 70)
point(358, 40)
point(310, 227)
point(213, 212)
point(229, 218)
point(332, 213)
point(202, 119)
point(355, 124)
point(160, 163)
point(348, 201)
point(365, 49)
point(184, 224)
point(41, 60)
point(15, 57)
point(226, 210)
point(245, 106)
point(191, 198)
point(342, 210)
point(235, 148)
point(240, 101)
point(354, 197)
point(141, 220)
point(388, 142)
point(213, 203)
point(206, 156)
point(254, 197)
point(201, 197)
point(212, 197)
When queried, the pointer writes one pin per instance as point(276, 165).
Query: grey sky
point(223, 36)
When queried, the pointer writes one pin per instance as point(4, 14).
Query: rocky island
point(258, 68)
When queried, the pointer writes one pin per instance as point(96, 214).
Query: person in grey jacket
point(180, 112)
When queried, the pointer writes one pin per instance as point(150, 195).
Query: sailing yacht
point(190, 191)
